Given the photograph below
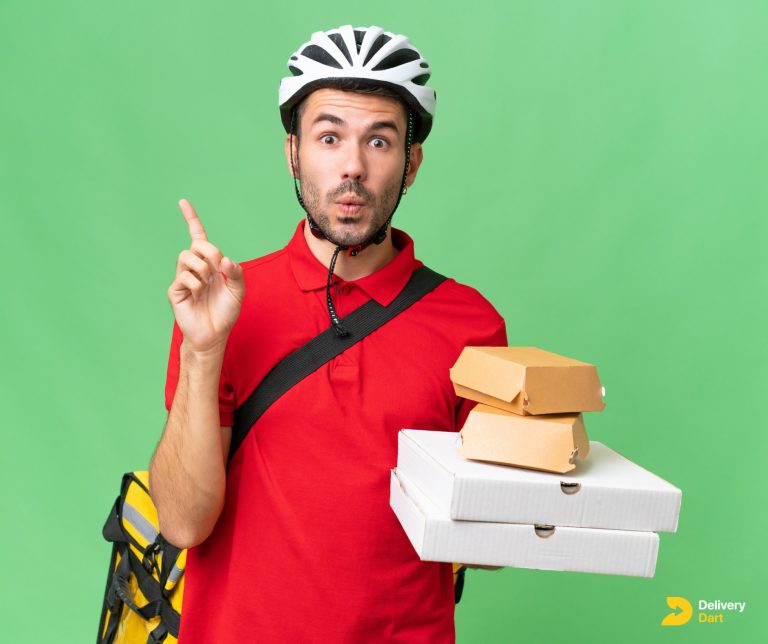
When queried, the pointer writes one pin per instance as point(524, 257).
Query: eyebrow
point(384, 125)
point(335, 120)
point(328, 117)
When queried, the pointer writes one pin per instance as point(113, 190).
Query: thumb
point(234, 274)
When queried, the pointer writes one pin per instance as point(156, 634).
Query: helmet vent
point(295, 70)
point(397, 58)
point(382, 40)
point(339, 42)
point(421, 80)
point(359, 35)
point(318, 54)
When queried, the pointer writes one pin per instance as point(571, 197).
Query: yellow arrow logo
point(678, 619)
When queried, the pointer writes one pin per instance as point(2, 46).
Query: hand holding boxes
point(601, 516)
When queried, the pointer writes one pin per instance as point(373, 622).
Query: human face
point(350, 162)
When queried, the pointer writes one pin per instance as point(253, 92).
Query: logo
point(683, 611)
point(678, 619)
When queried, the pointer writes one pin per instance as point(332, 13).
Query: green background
point(597, 169)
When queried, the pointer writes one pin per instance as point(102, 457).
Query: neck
point(368, 261)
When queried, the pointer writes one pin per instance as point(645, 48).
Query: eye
point(379, 143)
point(329, 139)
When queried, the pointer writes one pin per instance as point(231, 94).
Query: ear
point(295, 154)
point(417, 156)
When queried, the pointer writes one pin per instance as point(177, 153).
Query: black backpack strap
point(458, 584)
point(311, 356)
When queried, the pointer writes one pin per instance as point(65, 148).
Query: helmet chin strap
point(376, 238)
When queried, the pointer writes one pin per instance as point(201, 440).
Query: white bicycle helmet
point(367, 54)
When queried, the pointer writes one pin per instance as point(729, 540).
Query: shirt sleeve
point(497, 339)
point(227, 401)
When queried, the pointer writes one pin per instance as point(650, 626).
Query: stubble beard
point(381, 207)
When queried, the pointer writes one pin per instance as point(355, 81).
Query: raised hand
point(208, 289)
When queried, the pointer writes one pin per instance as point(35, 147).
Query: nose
point(353, 164)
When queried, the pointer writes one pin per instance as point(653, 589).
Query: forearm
point(188, 470)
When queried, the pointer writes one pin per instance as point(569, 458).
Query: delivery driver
point(295, 541)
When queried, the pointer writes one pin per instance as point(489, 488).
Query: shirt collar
point(382, 285)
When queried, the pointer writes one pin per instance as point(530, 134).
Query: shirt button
point(346, 290)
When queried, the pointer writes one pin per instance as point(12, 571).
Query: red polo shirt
point(307, 548)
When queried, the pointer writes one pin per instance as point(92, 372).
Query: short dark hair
point(352, 85)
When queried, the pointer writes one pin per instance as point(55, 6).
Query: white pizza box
point(605, 490)
point(436, 537)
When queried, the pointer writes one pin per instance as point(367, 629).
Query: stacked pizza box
point(522, 485)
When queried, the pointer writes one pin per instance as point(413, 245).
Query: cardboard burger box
point(551, 442)
point(436, 537)
point(526, 380)
point(604, 491)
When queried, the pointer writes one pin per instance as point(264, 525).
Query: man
point(294, 540)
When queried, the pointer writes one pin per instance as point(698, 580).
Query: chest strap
point(322, 348)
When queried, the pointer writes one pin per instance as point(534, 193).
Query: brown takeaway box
point(527, 380)
point(550, 443)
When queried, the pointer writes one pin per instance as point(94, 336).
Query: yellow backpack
point(145, 585)
point(142, 601)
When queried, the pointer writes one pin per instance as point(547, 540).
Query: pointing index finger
point(196, 230)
